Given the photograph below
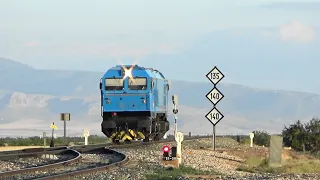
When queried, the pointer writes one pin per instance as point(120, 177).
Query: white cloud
point(298, 32)
point(31, 43)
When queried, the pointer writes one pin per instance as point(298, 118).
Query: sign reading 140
point(214, 116)
point(215, 96)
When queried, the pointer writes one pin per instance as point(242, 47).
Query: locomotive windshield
point(137, 83)
point(112, 84)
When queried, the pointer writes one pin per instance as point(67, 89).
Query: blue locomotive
point(134, 103)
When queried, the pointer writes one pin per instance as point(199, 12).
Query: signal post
point(215, 96)
point(175, 158)
point(175, 112)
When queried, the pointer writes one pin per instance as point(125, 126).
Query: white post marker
point(215, 96)
point(251, 135)
point(179, 138)
point(86, 135)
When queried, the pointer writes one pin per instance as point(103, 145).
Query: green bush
point(261, 138)
point(303, 137)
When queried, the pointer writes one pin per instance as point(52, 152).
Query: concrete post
point(179, 138)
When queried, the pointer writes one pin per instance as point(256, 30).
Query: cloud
point(118, 50)
point(303, 6)
point(31, 44)
point(297, 32)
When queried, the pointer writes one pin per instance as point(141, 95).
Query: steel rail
point(123, 161)
point(130, 144)
point(109, 147)
point(76, 157)
point(76, 150)
point(33, 153)
point(31, 150)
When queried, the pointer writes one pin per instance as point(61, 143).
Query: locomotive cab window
point(138, 83)
point(112, 84)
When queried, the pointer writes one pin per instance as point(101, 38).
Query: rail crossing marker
point(86, 134)
point(251, 135)
point(215, 96)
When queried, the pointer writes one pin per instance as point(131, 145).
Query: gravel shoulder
point(26, 162)
point(146, 160)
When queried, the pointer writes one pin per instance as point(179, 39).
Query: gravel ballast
point(146, 159)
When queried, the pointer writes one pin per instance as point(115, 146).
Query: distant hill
point(36, 97)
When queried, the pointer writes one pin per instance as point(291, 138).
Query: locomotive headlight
point(108, 101)
point(127, 72)
point(144, 101)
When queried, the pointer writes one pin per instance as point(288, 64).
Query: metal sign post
point(215, 96)
point(65, 117)
point(175, 112)
point(251, 135)
point(86, 134)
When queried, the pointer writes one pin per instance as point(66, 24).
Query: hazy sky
point(268, 44)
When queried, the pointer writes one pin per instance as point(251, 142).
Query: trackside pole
point(175, 111)
point(64, 129)
point(44, 139)
point(214, 137)
point(175, 125)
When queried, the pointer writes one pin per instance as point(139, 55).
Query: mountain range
point(31, 99)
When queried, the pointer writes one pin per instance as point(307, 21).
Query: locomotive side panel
point(161, 106)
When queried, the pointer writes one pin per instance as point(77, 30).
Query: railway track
point(68, 161)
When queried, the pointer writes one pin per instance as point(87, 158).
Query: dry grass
point(292, 162)
point(10, 148)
